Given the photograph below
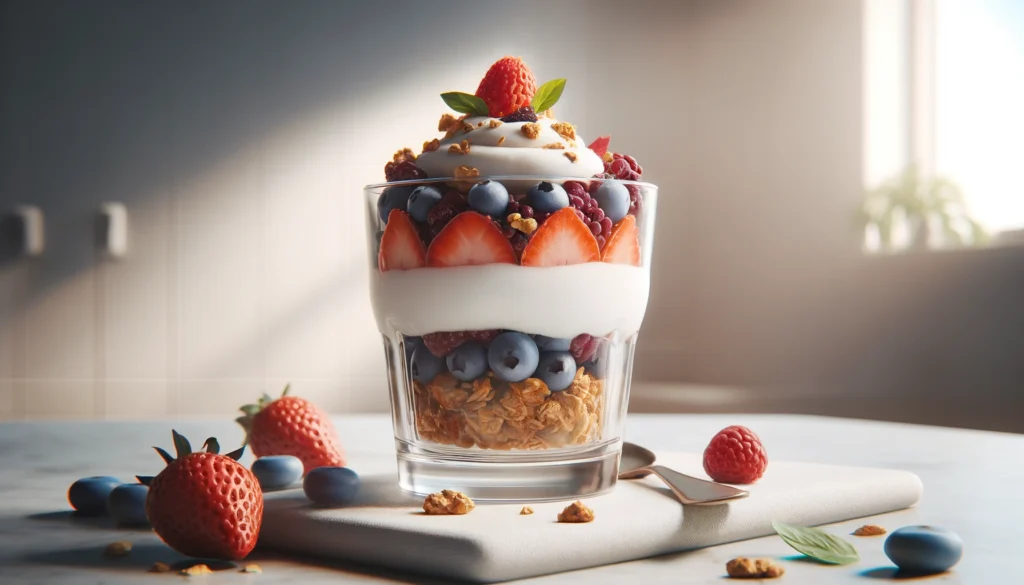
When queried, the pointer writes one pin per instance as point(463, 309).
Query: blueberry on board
point(551, 343)
point(557, 369)
point(613, 198)
point(547, 197)
point(127, 503)
point(89, 495)
point(331, 487)
point(277, 471)
point(421, 201)
point(489, 198)
point(425, 365)
point(467, 362)
point(513, 356)
point(393, 198)
point(924, 549)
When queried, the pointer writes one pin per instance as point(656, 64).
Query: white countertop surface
point(971, 481)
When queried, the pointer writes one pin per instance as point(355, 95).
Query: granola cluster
point(491, 414)
point(869, 530)
point(448, 503)
point(576, 513)
point(744, 568)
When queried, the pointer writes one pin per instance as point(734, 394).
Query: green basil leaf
point(817, 544)
point(465, 103)
point(547, 95)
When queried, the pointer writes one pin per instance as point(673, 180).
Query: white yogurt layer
point(559, 301)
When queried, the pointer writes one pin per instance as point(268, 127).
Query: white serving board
point(638, 519)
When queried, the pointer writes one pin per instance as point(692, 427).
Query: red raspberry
point(442, 343)
point(587, 210)
point(624, 167)
point(735, 455)
point(508, 85)
point(583, 347)
point(450, 205)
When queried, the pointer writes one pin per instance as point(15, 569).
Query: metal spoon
point(637, 462)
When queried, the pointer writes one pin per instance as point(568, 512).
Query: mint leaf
point(547, 95)
point(817, 544)
point(465, 103)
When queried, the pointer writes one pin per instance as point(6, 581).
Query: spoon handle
point(698, 492)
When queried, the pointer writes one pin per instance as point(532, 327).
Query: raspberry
point(624, 167)
point(442, 343)
point(524, 114)
point(404, 170)
point(583, 347)
point(450, 205)
point(508, 85)
point(515, 237)
point(735, 455)
point(588, 211)
point(635, 203)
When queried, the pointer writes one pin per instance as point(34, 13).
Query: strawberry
point(623, 245)
point(292, 426)
point(561, 240)
point(600, 146)
point(467, 240)
point(442, 344)
point(400, 246)
point(508, 85)
point(205, 504)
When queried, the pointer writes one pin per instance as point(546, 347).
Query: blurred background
point(839, 229)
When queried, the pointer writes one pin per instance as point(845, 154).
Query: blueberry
point(422, 200)
point(613, 198)
point(489, 198)
point(513, 356)
point(277, 471)
point(547, 197)
point(597, 366)
point(331, 486)
point(425, 365)
point(468, 361)
point(411, 344)
point(127, 503)
point(393, 198)
point(551, 343)
point(557, 369)
point(89, 494)
point(924, 549)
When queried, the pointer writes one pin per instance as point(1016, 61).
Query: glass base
point(509, 476)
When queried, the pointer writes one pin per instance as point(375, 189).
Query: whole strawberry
point(205, 504)
point(292, 426)
point(735, 455)
point(508, 85)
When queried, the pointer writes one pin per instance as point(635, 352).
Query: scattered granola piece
point(463, 171)
point(251, 568)
point(431, 145)
point(571, 156)
point(870, 530)
point(467, 127)
point(460, 148)
point(548, 113)
point(501, 140)
point(526, 511)
point(480, 124)
point(744, 568)
point(576, 512)
point(494, 123)
point(120, 548)
point(608, 157)
point(525, 225)
point(446, 122)
point(406, 154)
point(159, 567)
point(530, 130)
point(198, 569)
point(554, 146)
point(448, 502)
point(565, 130)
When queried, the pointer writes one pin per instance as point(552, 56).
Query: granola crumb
point(576, 513)
point(467, 127)
point(530, 130)
point(607, 157)
point(159, 567)
point(526, 511)
point(460, 148)
point(463, 171)
point(431, 145)
point(194, 570)
point(525, 225)
point(744, 568)
point(565, 130)
point(251, 568)
point(870, 530)
point(554, 146)
point(446, 122)
point(501, 140)
point(120, 548)
point(480, 124)
point(494, 123)
point(548, 113)
point(406, 154)
point(448, 502)
point(571, 156)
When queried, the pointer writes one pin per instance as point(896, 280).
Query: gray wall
point(239, 135)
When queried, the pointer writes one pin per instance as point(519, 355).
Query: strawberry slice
point(468, 240)
point(561, 240)
point(400, 246)
point(600, 146)
point(623, 245)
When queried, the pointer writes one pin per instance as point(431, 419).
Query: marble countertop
point(972, 485)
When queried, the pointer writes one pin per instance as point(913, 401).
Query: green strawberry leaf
point(144, 479)
point(250, 409)
point(181, 444)
point(237, 453)
point(817, 544)
point(212, 446)
point(466, 103)
point(287, 389)
point(547, 95)
point(164, 455)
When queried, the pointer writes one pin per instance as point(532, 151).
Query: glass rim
point(499, 178)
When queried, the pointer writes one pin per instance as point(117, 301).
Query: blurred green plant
point(921, 206)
